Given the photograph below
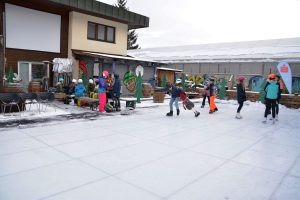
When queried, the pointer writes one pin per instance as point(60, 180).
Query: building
point(89, 33)
point(245, 58)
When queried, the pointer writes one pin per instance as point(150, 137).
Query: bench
point(93, 103)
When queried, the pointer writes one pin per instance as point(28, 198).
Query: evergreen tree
point(122, 4)
point(132, 35)
point(139, 89)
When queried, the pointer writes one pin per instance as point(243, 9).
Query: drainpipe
point(113, 66)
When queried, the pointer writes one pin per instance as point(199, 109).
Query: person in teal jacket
point(79, 89)
point(272, 92)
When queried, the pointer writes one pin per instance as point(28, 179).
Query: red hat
point(272, 76)
point(241, 78)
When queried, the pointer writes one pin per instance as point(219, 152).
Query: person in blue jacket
point(175, 94)
point(79, 89)
point(116, 92)
point(272, 91)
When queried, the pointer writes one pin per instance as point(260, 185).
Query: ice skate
point(169, 114)
point(197, 114)
point(238, 116)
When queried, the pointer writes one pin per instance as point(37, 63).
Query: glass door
point(24, 74)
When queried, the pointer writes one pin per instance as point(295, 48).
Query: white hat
point(74, 81)
point(80, 81)
point(91, 81)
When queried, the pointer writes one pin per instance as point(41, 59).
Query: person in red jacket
point(187, 104)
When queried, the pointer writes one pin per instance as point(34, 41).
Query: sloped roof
point(100, 9)
point(251, 51)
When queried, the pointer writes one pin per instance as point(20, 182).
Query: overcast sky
point(178, 22)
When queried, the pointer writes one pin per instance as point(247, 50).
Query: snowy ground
point(148, 156)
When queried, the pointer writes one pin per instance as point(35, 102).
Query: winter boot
point(264, 121)
point(216, 109)
point(238, 116)
point(178, 111)
point(170, 113)
point(197, 114)
point(202, 106)
point(211, 112)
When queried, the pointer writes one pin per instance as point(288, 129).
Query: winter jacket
point(91, 88)
point(272, 90)
point(241, 94)
point(212, 90)
point(71, 88)
point(175, 92)
point(79, 90)
point(102, 85)
point(117, 87)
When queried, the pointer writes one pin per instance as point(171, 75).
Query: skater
point(272, 90)
point(102, 91)
point(213, 93)
point(187, 104)
point(79, 89)
point(280, 85)
point(175, 91)
point(91, 88)
point(205, 94)
point(241, 95)
point(117, 92)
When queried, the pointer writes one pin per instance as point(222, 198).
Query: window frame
point(30, 68)
point(105, 33)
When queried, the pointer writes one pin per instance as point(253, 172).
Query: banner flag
point(286, 74)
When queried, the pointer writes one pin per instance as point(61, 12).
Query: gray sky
point(178, 22)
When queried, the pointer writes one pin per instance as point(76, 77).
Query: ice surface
point(148, 156)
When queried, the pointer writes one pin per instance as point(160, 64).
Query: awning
point(102, 55)
point(169, 69)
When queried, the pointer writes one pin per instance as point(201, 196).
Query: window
point(101, 32)
point(32, 71)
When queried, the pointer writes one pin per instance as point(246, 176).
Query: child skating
point(187, 104)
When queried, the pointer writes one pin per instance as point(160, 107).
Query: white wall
point(31, 29)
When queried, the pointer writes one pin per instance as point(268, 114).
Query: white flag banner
point(286, 74)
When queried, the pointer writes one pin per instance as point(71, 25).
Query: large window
point(101, 32)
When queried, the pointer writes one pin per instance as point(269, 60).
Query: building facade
point(84, 31)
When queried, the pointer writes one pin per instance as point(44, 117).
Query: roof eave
point(107, 11)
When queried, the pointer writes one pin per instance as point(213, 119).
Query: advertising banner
point(286, 74)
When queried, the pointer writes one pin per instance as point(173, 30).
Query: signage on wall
point(286, 74)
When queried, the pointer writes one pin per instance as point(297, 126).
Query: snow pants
point(102, 101)
point(241, 103)
point(212, 104)
point(270, 104)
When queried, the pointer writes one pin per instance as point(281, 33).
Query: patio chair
point(9, 99)
point(45, 98)
point(28, 98)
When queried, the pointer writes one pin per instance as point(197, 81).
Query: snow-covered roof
point(251, 51)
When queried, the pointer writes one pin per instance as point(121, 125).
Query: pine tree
point(132, 35)
point(122, 4)
point(138, 89)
